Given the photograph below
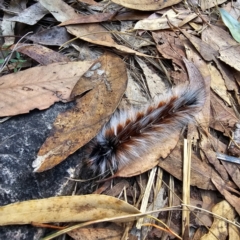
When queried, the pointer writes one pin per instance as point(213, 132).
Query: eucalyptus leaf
point(232, 24)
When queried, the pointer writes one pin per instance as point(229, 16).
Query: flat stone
point(20, 139)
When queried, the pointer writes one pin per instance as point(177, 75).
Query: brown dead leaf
point(146, 5)
point(222, 117)
point(209, 199)
point(212, 158)
point(231, 56)
point(41, 54)
point(169, 46)
point(219, 228)
point(201, 172)
point(65, 209)
point(233, 171)
point(205, 50)
point(232, 199)
point(39, 87)
point(217, 38)
point(101, 17)
point(234, 149)
point(76, 127)
point(109, 231)
point(94, 18)
point(204, 115)
point(93, 33)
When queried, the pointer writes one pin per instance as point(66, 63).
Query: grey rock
point(20, 139)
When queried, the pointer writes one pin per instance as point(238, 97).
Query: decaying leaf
point(169, 45)
point(222, 118)
point(233, 171)
point(101, 17)
point(231, 198)
point(219, 228)
point(203, 48)
point(31, 15)
point(201, 172)
point(146, 5)
point(65, 209)
point(39, 87)
point(76, 127)
point(110, 231)
point(41, 54)
point(54, 36)
point(217, 38)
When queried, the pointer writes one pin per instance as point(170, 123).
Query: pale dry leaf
point(146, 5)
point(163, 22)
point(8, 27)
point(133, 92)
point(219, 228)
point(217, 38)
point(79, 125)
point(206, 4)
point(65, 209)
point(218, 84)
point(39, 87)
point(30, 15)
point(231, 198)
point(154, 82)
point(233, 232)
point(59, 9)
point(231, 56)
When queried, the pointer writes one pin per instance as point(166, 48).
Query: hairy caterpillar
point(130, 133)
